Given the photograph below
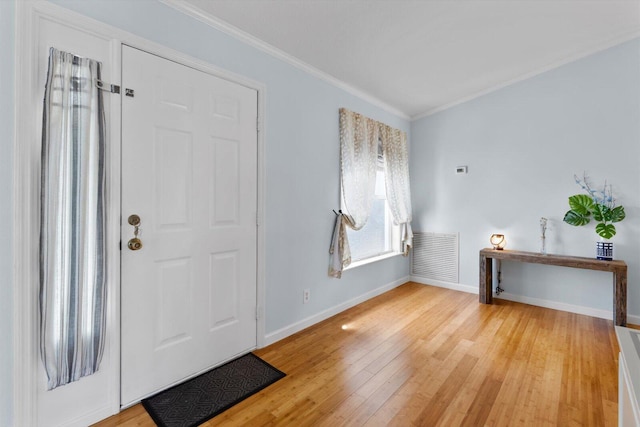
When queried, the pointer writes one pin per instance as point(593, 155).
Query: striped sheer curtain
point(72, 227)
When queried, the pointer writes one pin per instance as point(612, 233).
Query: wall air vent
point(435, 256)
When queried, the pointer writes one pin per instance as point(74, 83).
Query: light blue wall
point(522, 145)
point(7, 13)
point(302, 158)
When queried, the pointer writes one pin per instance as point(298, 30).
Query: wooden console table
point(618, 268)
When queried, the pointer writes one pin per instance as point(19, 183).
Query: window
point(362, 167)
point(379, 236)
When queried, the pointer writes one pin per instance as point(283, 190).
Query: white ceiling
point(420, 56)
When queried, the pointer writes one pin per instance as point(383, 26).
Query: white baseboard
point(578, 309)
point(633, 319)
point(448, 285)
point(571, 308)
point(325, 314)
point(91, 417)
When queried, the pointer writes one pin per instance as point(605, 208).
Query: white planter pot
point(604, 250)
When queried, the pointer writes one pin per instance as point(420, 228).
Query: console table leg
point(620, 297)
point(486, 280)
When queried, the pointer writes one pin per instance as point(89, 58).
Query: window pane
point(380, 185)
point(372, 239)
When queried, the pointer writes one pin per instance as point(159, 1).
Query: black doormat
point(205, 396)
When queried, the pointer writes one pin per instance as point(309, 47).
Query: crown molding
point(198, 14)
point(600, 47)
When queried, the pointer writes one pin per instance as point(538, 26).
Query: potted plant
point(599, 205)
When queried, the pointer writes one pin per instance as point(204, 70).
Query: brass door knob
point(135, 244)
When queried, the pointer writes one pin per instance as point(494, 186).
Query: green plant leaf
point(581, 204)
point(601, 213)
point(606, 231)
point(617, 214)
point(574, 218)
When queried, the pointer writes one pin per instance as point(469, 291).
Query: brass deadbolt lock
point(134, 220)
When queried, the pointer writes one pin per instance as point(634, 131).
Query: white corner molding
point(332, 311)
point(196, 13)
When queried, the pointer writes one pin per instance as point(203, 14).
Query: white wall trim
point(196, 13)
point(633, 319)
point(556, 64)
point(447, 285)
point(261, 269)
point(332, 311)
point(373, 259)
point(555, 305)
point(26, 196)
point(24, 248)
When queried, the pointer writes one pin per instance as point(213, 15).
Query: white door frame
point(26, 194)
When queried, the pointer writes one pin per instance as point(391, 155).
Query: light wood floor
point(421, 355)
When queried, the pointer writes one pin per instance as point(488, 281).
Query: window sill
point(373, 259)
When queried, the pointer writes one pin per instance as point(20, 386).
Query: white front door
point(189, 171)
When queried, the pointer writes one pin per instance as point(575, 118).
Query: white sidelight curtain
point(396, 171)
point(72, 227)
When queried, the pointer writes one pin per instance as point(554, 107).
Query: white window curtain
point(72, 227)
point(358, 155)
point(396, 171)
point(359, 138)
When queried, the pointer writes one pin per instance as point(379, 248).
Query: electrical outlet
point(306, 296)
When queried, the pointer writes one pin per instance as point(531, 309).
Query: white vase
point(604, 250)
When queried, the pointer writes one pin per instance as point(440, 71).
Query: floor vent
point(435, 256)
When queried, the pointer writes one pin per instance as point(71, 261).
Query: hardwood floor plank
point(438, 404)
point(377, 399)
point(421, 355)
point(480, 408)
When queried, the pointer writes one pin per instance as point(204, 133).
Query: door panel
point(225, 177)
point(172, 154)
point(189, 170)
